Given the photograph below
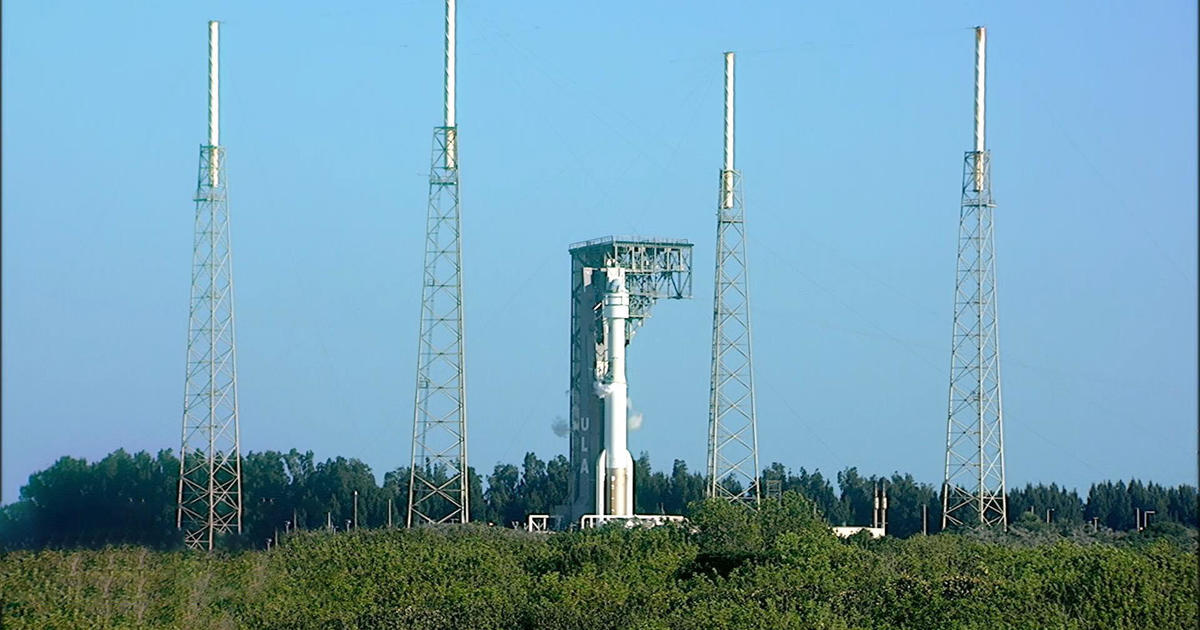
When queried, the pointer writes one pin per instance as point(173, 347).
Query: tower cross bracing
point(439, 482)
point(733, 428)
point(974, 487)
point(209, 492)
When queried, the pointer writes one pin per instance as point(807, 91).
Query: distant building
point(846, 532)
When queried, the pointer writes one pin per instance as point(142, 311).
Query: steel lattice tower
point(438, 488)
point(974, 487)
point(210, 468)
point(733, 431)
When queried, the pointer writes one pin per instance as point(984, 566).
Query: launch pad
point(615, 281)
point(589, 521)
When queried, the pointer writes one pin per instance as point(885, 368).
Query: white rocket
point(614, 471)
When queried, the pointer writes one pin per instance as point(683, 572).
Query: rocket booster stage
point(614, 479)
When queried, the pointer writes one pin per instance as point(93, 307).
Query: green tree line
point(131, 499)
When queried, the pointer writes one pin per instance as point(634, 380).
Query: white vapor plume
point(633, 417)
point(560, 426)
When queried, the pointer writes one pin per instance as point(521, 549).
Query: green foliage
point(121, 498)
point(730, 566)
point(1062, 505)
point(130, 499)
point(791, 573)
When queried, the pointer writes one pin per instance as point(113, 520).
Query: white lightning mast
point(733, 428)
point(980, 100)
point(727, 169)
point(210, 480)
point(448, 91)
point(974, 487)
point(439, 485)
point(214, 98)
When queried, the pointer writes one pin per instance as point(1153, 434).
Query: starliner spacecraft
point(614, 282)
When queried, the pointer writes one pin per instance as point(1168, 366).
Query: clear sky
point(579, 120)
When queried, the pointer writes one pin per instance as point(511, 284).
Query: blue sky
point(579, 120)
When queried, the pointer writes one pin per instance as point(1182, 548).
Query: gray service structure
point(655, 268)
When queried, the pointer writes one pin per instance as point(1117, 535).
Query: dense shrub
point(730, 567)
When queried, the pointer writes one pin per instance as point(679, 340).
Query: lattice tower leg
point(974, 486)
point(439, 484)
point(210, 480)
point(733, 432)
